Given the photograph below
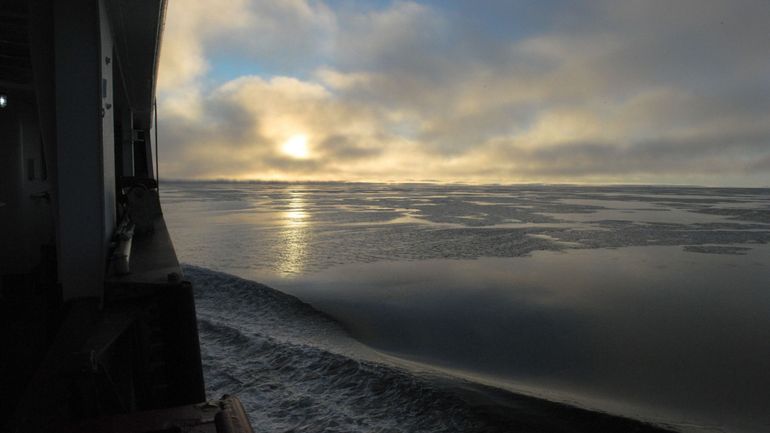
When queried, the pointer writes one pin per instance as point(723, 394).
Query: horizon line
point(459, 183)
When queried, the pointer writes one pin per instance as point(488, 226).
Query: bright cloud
point(632, 91)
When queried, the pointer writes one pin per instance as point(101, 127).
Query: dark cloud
point(344, 147)
point(712, 155)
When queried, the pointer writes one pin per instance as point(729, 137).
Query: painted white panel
point(81, 254)
point(108, 124)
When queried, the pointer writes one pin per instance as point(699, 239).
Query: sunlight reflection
point(295, 236)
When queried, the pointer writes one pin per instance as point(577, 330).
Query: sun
point(296, 146)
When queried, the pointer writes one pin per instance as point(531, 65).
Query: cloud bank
point(615, 92)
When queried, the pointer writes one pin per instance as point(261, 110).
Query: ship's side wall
point(86, 145)
point(108, 124)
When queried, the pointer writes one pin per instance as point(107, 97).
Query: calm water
point(648, 302)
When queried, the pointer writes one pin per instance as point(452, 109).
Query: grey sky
point(603, 91)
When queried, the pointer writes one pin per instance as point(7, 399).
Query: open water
point(443, 308)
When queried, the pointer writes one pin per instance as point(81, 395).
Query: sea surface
point(456, 308)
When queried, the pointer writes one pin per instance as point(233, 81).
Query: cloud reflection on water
point(649, 331)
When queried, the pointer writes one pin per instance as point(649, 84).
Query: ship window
point(3, 101)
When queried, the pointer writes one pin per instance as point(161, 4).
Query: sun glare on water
point(296, 147)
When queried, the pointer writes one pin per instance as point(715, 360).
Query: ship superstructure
point(97, 323)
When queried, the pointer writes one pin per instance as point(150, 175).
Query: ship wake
point(296, 369)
